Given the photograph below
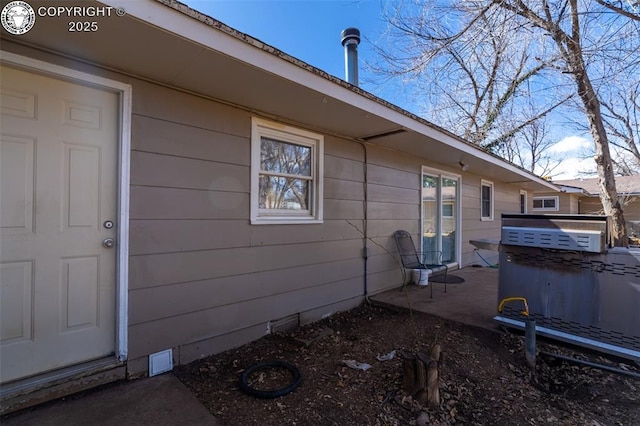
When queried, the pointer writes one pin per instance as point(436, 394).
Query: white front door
point(58, 189)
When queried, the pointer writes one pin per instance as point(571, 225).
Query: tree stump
point(420, 376)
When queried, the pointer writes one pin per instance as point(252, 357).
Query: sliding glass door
point(440, 215)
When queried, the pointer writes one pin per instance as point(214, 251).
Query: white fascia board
point(257, 54)
point(572, 189)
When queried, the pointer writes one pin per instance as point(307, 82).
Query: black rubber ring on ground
point(265, 365)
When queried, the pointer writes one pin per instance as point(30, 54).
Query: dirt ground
point(484, 379)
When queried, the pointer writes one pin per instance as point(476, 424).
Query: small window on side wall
point(286, 174)
point(523, 202)
point(545, 203)
point(486, 200)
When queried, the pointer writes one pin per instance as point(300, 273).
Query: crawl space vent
point(160, 362)
point(285, 324)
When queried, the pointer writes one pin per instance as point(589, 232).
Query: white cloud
point(574, 155)
point(571, 144)
point(573, 168)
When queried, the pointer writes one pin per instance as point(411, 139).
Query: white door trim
point(444, 174)
point(125, 94)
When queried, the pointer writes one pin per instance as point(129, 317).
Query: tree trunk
point(420, 379)
point(433, 389)
point(606, 178)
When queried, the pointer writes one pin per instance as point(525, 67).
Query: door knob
point(108, 242)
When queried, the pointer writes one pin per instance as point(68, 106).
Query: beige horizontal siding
point(343, 168)
point(175, 235)
point(339, 189)
point(196, 261)
point(394, 202)
point(388, 176)
point(385, 261)
point(153, 336)
point(148, 169)
point(631, 209)
point(594, 206)
point(169, 236)
point(171, 203)
point(330, 230)
point(385, 280)
point(349, 150)
point(385, 228)
point(199, 349)
point(390, 194)
point(506, 200)
point(343, 209)
point(170, 268)
point(385, 246)
point(394, 160)
point(150, 304)
point(173, 106)
point(393, 211)
point(470, 189)
point(181, 140)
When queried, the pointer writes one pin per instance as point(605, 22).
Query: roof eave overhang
point(204, 56)
point(416, 128)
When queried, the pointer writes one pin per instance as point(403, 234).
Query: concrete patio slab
point(160, 400)
point(473, 302)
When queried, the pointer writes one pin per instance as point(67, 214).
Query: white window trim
point(492, 207)
point(526, 201)
point(549, 209)
point(278, 131)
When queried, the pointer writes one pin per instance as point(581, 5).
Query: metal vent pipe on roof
point(350, 38)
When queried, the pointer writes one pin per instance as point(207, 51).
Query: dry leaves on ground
point(483, 380)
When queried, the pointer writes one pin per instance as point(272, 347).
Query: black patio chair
point(412, 260)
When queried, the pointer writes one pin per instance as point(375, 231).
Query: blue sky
point(310, 30)
point(306, 29)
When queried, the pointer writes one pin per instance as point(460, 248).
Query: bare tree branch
point(480, 84)
point(619, 10)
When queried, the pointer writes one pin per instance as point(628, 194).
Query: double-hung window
point(545, 203)
point(286, 174)
point(486, 200)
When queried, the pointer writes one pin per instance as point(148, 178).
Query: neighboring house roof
point(196, 53)
point(625, 185)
